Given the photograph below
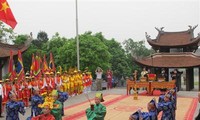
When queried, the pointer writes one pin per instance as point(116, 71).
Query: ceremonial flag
point(20, 66)
point(32, 65)
point(37, 69)
point(10, 67)
point(6, 14)
point(51, 63)
point(45, 66)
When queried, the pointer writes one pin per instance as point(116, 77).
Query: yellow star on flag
point(4, 6)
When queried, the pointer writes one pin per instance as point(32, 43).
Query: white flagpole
point(77, 38)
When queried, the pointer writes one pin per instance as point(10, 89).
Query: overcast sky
point(119, 19)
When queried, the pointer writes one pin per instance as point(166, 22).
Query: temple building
point(174, 50)
point(5, 54)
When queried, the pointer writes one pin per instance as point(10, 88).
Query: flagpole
point(77, 38)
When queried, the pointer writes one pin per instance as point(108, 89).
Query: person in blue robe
point(152, 111)
point(136, 115)
point(167, 107)
point(36, 99)
point(14, 107)
point(150, 115)
point(62, 97)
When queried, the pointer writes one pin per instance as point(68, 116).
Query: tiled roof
point(5, 49)
point(172, 60)
point(174, 39)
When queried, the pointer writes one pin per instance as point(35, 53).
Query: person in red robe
point(26, 93)
point(48, 82)
point(109, 78)
point(53, 83)
point(58, 80)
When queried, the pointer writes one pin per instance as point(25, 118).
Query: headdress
point(27, 73)
point(135, 116)
point(46, 104)
point(100, 96)
point(47, 73)
point(54, 93)
point(51, 73)
point(58, 72)
point(153, 101)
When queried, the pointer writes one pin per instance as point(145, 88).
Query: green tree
point(53, 45)
point(119, 60)
point(20, 39)
point(42, 37)
point(135, 49)
point(93, 53)
point(6, 34)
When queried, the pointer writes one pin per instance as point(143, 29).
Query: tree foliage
point(20, 39)
point(6, 34)
point(136, 48)
point(95, 51)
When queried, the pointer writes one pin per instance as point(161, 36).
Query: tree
point(6, 34)
point(20, 39)
point(119, 60)
point(93, 53)
point(42, 38)
point(136, 49)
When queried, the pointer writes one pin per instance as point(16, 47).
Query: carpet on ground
point(122, 106)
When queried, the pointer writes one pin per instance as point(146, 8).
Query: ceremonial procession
point(116, 68)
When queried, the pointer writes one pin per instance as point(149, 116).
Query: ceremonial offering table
point(150, 85)
point(161, 85)
point(142, 85)
point(129, 84)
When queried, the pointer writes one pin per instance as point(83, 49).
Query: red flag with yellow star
point(6, 14)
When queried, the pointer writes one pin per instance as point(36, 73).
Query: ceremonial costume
point(168, 108)
point(26, 93)
point(41, 85)
point(150, 115)
point(80, 83)
point(35, 101)
point(65, 83)
point(1, 96)
point(18, 91)
point(57, 107)
point(71, 89)
point(47, 106)
point(44, 117)
point(152, 111)
point(58, 80)
point(53, 84)
point(99, 110)
point(62, 97)
point(48, 85)
point(13, 108)
point(109, 78)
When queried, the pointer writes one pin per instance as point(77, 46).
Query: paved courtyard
point(119, 90)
